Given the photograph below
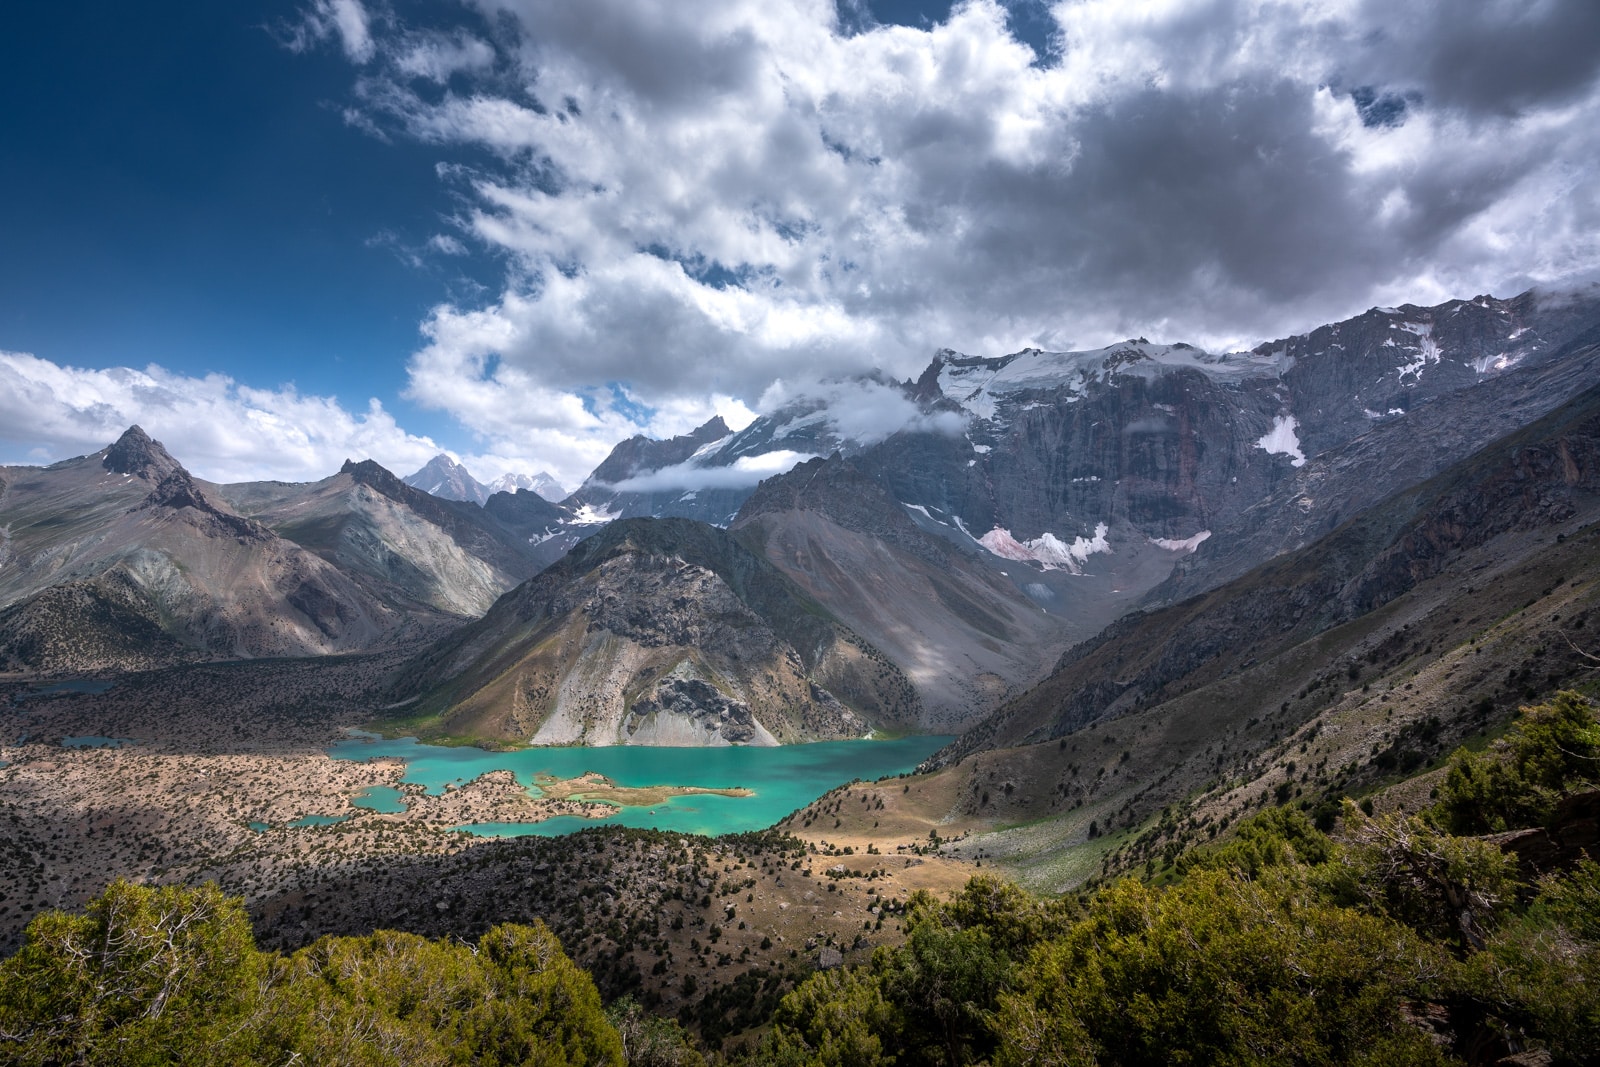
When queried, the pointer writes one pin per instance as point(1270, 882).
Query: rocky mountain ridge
point(122, 560)
point(1094, 481)
point(656, 632)
point(1544, 476)
point(968, 525)
point(443, 477)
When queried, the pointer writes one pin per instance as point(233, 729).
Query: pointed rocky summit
point(136, 452)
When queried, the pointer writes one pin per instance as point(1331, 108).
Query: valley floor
point(226, 759)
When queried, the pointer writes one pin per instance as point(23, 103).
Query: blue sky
point(277, 234)
point(180, 188)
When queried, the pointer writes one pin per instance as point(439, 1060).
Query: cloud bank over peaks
point(803, 420)
point(695, 199)
point(743, 473)
point(860, 411)
point(219, 428)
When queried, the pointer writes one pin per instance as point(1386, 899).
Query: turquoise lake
point(783, 778)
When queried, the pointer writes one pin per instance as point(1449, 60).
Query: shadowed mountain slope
point(961, 631)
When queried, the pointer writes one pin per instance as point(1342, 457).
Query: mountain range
point(443, 477)
point(950, 553)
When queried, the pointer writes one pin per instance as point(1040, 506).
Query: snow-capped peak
point(978, 384)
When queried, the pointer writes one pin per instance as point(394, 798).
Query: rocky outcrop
point(177, 491)
point(136, 453)
point(694, 710)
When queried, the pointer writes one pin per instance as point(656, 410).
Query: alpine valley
point(1129, 597)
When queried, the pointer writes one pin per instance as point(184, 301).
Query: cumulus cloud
point(219, 429)
point(696, 204)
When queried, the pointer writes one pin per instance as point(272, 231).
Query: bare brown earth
point(222, 746)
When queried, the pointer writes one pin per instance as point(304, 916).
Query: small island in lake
point(594, 787)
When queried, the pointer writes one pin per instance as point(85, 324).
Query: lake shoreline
point(706, 790)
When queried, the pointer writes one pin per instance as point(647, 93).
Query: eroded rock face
point(177, 491)
point(1049, 458)
point(1539, 483)
point(702, 704)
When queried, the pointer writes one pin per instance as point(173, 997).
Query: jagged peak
point(444, 461)
point(370, 472)
point(137, 453)
point(178, 490)
point(713, 429)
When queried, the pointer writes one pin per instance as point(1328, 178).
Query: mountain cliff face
point(963, 633)
point(619, 489)
point(1125, 461)
point(660, 632)
point(121, 560)
point(1166, 444)
point(1503, 503)
point(1088, 483)
point(1345, 479)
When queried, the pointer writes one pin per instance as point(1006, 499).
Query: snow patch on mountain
point(1427, 348)
point(711, 448)
point(1047, 550)
point(1495, 364)
point(1283, 440)
point(589, 515)
point(1187, 545)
